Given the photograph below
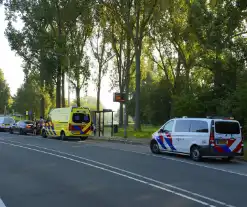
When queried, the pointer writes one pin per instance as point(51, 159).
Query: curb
point(121, 140)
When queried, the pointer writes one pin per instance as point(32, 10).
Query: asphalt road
point(48, 172)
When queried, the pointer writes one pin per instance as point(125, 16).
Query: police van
point(200, 137)
point(68, 122)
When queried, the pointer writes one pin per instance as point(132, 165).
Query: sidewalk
point(134, 141)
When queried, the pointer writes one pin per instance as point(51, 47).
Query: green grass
point(146, 132)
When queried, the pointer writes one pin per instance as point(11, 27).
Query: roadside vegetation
point(172, 58)
point(146, 132)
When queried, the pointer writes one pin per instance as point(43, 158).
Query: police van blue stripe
point(226, 148)
point(160, 142)
point(170, 144)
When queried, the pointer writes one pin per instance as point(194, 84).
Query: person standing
point(35, 127)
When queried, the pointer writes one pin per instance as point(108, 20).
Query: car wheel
point(62, 135)
point(195, 153)
point(83, 138)
point(228, 159)
point(154, 146)
point(44, 135)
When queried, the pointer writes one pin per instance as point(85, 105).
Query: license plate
point(76, 132)
point(223, 142)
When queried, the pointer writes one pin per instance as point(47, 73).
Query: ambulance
point(68, 122)
point(211, 137)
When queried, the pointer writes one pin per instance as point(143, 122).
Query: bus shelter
point(98, 118)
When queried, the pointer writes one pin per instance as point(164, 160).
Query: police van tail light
point(70, 127)
point(211, 139)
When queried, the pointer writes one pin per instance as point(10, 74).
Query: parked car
point(6, 122)
point(22, 127)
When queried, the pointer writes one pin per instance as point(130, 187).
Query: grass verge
point(146, 132)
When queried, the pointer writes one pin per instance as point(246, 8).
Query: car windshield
point(225, 127)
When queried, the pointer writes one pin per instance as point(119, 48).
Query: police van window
point(182, 126)
point(223, 127)
point(199, 126)
point(79, 118)
point(168, 127)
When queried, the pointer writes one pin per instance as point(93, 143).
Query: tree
point(124, 56)
point(78, 71)
point(4, 94)
point(102, 52)
point(135, 14)
point(28, 98)
point(217, 33)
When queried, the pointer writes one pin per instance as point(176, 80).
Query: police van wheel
point(228, 159)
point(154, 147)
point(62, 135)
point(195, 153)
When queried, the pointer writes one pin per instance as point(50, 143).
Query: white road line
point(116, 173)
point(162, 157)
point(177, 160)
point(137, 175)
point(1, 203)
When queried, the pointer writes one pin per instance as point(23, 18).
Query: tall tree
point(135, 14)
point(79, 33)
point(124, 56)
point(101, 49)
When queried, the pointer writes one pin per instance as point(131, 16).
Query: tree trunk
point(59, 64)
point(78, 97)
point(127, 78)
point(138, 89)
point(42, 85)
point(63, 89)
point(58, 86)
point(98, 99)
point(121, 115)
point(98, 88)
point(42, 99)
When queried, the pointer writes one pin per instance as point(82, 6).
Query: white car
point(199, 137)
point(5, 123)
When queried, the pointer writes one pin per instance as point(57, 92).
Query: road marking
point(152, 155)
point(177, 160)
point(133, 174)
point(1, 203)
point(116, 173)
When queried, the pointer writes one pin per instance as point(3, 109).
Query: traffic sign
point(119, 97)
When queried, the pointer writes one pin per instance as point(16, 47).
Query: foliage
point(5, 98)
point(172, 58)
point(28, 99)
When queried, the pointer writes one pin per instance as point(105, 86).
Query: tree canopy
point(170, 58)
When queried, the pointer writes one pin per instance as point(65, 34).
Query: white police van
point(199, 137)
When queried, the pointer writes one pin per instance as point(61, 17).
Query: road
point(47, 172)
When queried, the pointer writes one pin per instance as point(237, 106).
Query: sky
point(13, 72)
